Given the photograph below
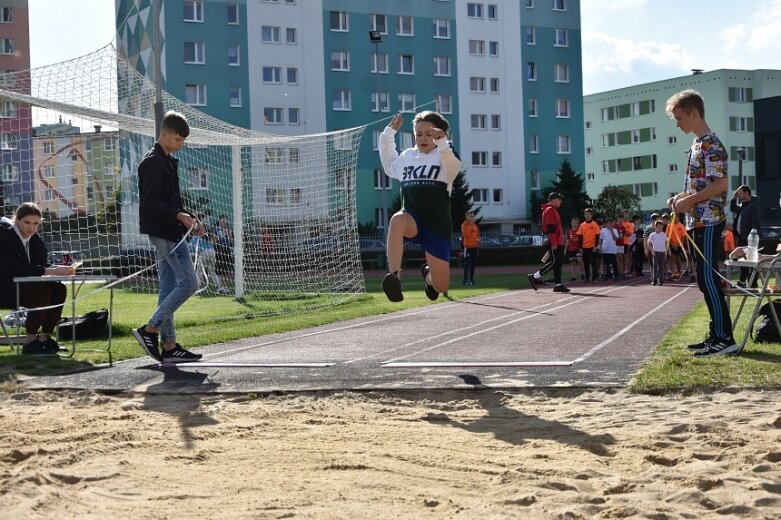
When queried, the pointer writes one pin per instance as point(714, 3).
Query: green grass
point(670, 368)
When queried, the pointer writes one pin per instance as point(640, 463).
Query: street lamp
point(375, 37)
point(741, 151)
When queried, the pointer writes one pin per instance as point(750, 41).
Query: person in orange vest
point(471, 242)
point(729, 240)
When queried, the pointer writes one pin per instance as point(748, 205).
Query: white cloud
point(762, 32)
point(611, 54)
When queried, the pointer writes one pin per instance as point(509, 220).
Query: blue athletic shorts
point(431, 243)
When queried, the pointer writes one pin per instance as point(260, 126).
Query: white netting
point(289, 202)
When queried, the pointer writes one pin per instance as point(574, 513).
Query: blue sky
point(625, 42)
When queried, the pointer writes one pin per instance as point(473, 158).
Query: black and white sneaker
point(559, 287)
point(702, 345)
point(720, 347)
point(37, 348)
point(391, 285)
point(532, 281)
point(180, 355)
point(149, 342)
point(431, 293)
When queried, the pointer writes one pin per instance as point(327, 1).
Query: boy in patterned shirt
point(703, 200)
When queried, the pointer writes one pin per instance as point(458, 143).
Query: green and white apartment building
point(630, 141)
point(506, 74)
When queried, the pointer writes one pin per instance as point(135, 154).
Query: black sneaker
point(720, 347)
point(431, 293)
point(53, 346)
point(532, 281)
point(37, 348)
point(391, 285)
point(702, 345)
point(180, 355)
point(560, 288)
point(149, 342)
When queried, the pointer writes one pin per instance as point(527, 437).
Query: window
point(9, 141)
point(7, 45)
point(562, 108)
point(380, 23)
point(406, 64)
point(272, 74)
point(606, 138)
point(293, 117)
point(381, 180)
point(195, 52)
point(269, 34)
point(496, 159)
point(197, 178)
point(441, 28)
point(6, 15)
point(291, 37)
point(233, 14)
point(405, 26)
point(275, 196)
point(340, 60)
point(380, 63)
point(561, 38)
point(9, 109)
point(234, 56)
point(292, 76)
point(48, 147)
point(561, 73)
point(88, 145)
point(478, 121)
point(477, 47)
point(272, 116)
point(381, 104)
point(493, 48)
point(493, 11)
point(108, 144)
point(531, 71)
point(445, 103)
point(480, 195)
point(635, 136)
point(498, 193)
point(234, 96)
point(379, 218)
point(496, 122)
point(559, 5)
point(406, 102)
point(295, 195)
point(474, 10)
point(563, 144)
point(10, 173)
point(476, 84)
point(672, 139)
point(534, 143)
point(375, 139)
point(741, 124)
point(590, 176)
point(672, 168)
point(529, 4)
point(441, 66)
point(294, 155)
point(339, 21)
point(479, 158)
point(531, 36)
point(342, 100)
point(193, 11)
point(407, 140)
point(494, 85)
point(47, 170)
point(534, 108)
point(741, 94)
point(342, 141)
point(589, 150)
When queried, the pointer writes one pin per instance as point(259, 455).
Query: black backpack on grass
point(90, 325)
point(766, 331)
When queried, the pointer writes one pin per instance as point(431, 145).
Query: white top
point(658, 241)
point(607, 241)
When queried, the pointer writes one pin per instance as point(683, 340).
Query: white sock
point(537, 275)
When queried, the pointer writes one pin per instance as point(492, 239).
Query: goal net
point(282, 231)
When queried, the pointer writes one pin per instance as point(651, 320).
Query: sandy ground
point(439, 454)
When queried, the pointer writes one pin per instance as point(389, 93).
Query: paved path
point(595, 336)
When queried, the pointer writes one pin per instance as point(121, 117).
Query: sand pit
point(438, 454)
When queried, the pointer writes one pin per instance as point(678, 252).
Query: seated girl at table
point(23, 253)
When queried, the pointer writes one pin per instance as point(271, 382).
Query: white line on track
point(437, 364)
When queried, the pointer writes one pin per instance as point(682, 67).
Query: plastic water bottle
point(753, 246)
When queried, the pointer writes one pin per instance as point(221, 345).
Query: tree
point(460, 200)
point(570, 185)
point(614, 200)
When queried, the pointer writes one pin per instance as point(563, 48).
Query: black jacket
point(747, 216)
point(14, 261)
point(159, 197)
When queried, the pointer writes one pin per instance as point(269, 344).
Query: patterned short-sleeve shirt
point(707, 162)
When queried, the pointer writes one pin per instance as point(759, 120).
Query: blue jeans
point(178, 282)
